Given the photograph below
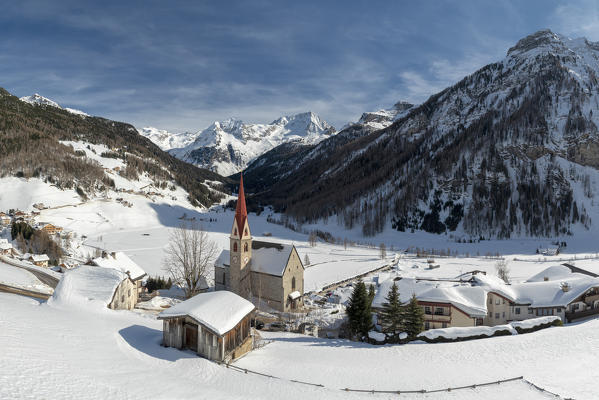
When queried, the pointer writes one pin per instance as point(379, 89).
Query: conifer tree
point(371, 293)
point(393, 314)
point(414, 318)
point(358, 311)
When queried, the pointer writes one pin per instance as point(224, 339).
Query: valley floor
point(50, 352)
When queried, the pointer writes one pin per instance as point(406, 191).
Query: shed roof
point(219, 311)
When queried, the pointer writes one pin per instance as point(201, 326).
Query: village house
point(488, 300)
point(41, 260)
point(5, 247)
point(269, 274)
point(443, 306)
point(86, 285)
point(216, 325)
point(50, 229)
point(4, 219)
point(555, 291)
point(120, 261)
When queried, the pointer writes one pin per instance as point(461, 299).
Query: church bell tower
point(241, 248)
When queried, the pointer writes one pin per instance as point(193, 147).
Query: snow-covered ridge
point(229, 146)
point(39, 100)
point(383, 118)
point(167, 140)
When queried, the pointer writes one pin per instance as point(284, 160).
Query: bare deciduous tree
point(503, 270)
point(383, 251)
point(306, 260)
point(312, 239)
point(188, 257)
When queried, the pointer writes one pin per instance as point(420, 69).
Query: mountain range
point(226, 147)
point(510, 150)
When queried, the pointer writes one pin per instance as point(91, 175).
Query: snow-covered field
point(50, 352)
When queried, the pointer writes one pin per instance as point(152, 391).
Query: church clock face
point(234, 259)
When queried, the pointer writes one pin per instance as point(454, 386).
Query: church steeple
point(241, 213)
point(241, 248)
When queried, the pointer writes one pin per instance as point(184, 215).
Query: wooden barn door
point(191, 337)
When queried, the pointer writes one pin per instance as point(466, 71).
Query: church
point(266, 273)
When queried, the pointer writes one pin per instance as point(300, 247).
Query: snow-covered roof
point(270, 258)
point(219, 311)
point(551, 273)
point(223, 259)
point(38, 257)
point(469, 299)
point(121, 262)
point(85, 284)
point(294, 295)
point(495, 284)
point(551, 294)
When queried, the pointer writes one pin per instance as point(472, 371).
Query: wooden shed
point(216, 325)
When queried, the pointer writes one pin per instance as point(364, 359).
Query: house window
point(530, 310)
point(427, 310)
point(438, 311)
point(122, 298)
point(427, 325)
point(497, 315)
point(293, 283)
point(497, 302)
point(517, 310)
point(444, 325)
point(214, 342)
point(503, 314)
point(235, 246)
point(129, 293)
point(503, 301)
point(245, 248)
point(490, 300)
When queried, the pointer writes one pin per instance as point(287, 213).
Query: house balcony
point(437, 317)
point(575, 315)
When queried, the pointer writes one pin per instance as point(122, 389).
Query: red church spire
point(241, 213)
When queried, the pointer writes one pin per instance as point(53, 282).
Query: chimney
point(113, 254)
point(546, 278)
point(565, 287)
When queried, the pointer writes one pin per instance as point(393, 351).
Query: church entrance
point(190, 337)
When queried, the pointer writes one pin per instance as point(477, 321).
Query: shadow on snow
point(148, 341)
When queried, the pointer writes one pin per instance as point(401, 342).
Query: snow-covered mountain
point(228, 146)
point(40, 100)
point(167, 140)
point(511, 150)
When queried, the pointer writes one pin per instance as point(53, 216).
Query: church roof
point(241, 213)
point(270, 258)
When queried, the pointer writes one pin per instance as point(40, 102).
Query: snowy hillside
point(226, 147)
point(510, 150)
point(40, 100)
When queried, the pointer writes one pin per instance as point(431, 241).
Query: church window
point(245, 248)
point(234, 246)
point(235, 232)
point(293, 283)
point(246, 231)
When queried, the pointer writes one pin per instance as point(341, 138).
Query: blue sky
point(181, 65)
